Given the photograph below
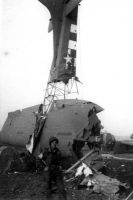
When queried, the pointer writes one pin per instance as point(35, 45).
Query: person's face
point(53, 144)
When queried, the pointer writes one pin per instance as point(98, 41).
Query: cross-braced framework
point(58, 90)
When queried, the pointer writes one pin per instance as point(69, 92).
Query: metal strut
point(59, 90)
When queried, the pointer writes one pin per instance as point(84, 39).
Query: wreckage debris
point(8, 154)
point(13, 161)
point(130, 196)
point(82, 182)
point(87, 176)
point(84, 169)
point(96, 182)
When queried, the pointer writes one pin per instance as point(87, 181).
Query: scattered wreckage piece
point(98, 182)
point(95, 161)
point(88, 177)
point(80, 161)
point(8, 154)
point(106, 185)
point(130, 196)
point(92, 158)
point(84, 169)
point(109, 156)
point(11, 160)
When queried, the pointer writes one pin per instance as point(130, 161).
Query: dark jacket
point(52, 158)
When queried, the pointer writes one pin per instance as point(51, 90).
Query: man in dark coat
point(53, 169)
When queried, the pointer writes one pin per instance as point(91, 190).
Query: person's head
point(40, 109)
point(94, 109)
point(53, 142)
point(91, 111)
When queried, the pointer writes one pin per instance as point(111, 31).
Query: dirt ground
point(32, 186)
point(27, 186)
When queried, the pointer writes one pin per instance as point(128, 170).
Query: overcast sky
point(104, 63)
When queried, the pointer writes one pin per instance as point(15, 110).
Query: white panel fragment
point(73, 28)
point(72, 44)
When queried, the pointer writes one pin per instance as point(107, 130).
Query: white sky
point(104, 64)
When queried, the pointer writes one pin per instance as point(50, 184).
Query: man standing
point(53, 169)
point(39, 115)
point(40, 121)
